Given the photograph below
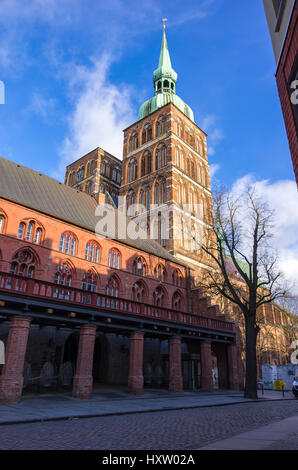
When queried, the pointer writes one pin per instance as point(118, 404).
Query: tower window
point(166, 84)
point(159, 85)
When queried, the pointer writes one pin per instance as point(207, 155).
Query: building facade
point(282, 18)
point(78, 309)
point(96, 173)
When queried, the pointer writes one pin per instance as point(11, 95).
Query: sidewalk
point(107, 401)
point(259, 439)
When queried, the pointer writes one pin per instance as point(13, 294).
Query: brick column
point(233, 367)
point(175, 366)
point(135, 378)
point(11, 380)
point(83, 380)
point(206, 366)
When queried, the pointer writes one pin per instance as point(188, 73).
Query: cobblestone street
point(176, 430)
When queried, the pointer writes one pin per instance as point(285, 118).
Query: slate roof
point(49, 196)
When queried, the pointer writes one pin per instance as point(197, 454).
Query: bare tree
point(245, 272)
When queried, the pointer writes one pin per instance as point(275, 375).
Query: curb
point(120, 413)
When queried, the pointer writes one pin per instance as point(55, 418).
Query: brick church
point(79, 310)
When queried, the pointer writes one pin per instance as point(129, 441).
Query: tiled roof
point(47, 195)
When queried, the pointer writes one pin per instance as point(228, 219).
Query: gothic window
point(163, 192)
point(131, 203)
point(146, 134)
point(37, 237)
point(133, 142)
point(177, 301)
point(21, 230)
point(147, 198)
point(139, 291)
point(160, 126)
point(164, 156)
point(63, 276)
point(177, 278)
point(68, 243)
point(114, 260)
point(156, 194)
point(112, 287)
point(157, 159)
point(132, 172)
point(141, 201)
point(92, 252)
point(23, 264)
point(160, 273)
point(3, 219)
point(139, 266)
point(80, 173)
point(159, 297)
point(89, 282)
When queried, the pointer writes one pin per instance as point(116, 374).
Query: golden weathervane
point(164, 22)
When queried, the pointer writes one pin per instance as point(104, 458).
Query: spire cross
point(164, 22)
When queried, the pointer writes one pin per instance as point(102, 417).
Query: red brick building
point(282, 17)
point(77, 309)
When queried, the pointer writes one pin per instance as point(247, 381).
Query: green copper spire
point(164, 80)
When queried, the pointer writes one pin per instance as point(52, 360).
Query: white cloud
point(282, 197)
point(41, 106)
point(213, 168)
point(215, 134)
point(101, 112)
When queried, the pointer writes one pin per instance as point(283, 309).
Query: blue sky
point(76, 73)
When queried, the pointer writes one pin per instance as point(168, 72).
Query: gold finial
point(164, 22)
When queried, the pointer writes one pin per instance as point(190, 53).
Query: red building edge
point(287, 73)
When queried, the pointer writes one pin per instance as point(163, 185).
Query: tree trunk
point(251, 332)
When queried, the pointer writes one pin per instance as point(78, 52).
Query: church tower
point(165, 172)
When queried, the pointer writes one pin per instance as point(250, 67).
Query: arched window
point(147, 133)
point(164, 156)
point(157, 159)
point(2, 222)
point(160, 126)
point(159, 297)
point(68, 243)
point(146, 164)
point(132, 171)
point(92, 252)
point(37, 237)
point(81, 173)
point(89, 282)
point(21, 230)
point(63, 275)
point(147, 198)
point(131, 203)
point(160, 273)
point(23, 263)
point(177, 301)
point(29, 231)
point(163, 191)
point(139, 266)
point(112, 287)
point(133, 142)
point(114, 260)
point(139, 291)
point(156, 194)
point(177, 278)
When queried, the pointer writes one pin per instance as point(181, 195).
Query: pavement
point(109, 401)
point(275, 436)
